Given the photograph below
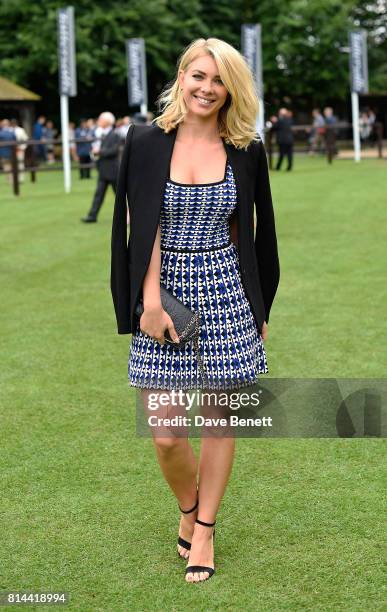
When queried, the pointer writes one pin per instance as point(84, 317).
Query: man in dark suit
point(107, 150)
point(283, 130)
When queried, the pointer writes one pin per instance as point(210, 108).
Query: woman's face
point(203, 90)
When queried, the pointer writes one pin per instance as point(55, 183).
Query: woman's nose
point(206, 88)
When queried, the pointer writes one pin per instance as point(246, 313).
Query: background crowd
point(85, 138)
point(321, 135)
point(85, 142)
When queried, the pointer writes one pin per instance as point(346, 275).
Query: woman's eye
point(199, 76)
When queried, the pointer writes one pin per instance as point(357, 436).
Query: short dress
point(200, 267)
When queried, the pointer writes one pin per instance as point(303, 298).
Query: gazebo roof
point(11, 91)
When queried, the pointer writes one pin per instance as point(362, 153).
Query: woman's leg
point(177, 462)
point(215, 466)
point(216, 460)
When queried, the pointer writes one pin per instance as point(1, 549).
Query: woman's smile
point(203, 101)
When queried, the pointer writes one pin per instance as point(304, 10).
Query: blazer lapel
point(237, 161)
point(149, 166)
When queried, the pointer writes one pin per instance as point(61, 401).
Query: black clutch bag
point(186, 322)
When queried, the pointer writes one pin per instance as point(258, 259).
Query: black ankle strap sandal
point(181, 540)
point(192, 509)
point(206, 525)
point(202, 568)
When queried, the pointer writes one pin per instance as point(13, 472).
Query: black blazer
point(107, 162)
point(143, 173)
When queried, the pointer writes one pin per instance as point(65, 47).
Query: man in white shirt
point(107, 163)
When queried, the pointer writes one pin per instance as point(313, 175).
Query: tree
point(305, 45)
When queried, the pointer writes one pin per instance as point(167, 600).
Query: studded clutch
point(186, 322)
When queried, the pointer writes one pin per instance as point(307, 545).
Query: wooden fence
point(301, 134)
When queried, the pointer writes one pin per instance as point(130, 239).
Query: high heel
point(180, 540)
point(202, 568)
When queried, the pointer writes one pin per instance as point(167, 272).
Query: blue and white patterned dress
point(200, 266)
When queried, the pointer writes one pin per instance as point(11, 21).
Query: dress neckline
point(202, 184)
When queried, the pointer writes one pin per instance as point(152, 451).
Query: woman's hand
point(264, 331)
point(154, 321)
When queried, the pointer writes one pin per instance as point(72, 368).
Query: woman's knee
point(170, 444)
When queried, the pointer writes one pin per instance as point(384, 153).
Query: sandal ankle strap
point(205, 524)
point(191, 510)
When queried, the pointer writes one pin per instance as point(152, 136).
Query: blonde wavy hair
point(237, 117)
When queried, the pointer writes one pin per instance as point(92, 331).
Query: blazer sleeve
point(265, 236)
point(119, 278)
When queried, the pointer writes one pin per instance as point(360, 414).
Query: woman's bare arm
point(233, 225)
point(155, 320)
point(151, 284)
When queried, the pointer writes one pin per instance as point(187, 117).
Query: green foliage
point(304, 44)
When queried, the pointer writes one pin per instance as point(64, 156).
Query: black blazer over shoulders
point(143, 173)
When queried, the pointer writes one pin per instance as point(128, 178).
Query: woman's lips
point(203, 101)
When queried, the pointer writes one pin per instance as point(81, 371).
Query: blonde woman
point(192, 180)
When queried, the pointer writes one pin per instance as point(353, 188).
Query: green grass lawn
point(85, 509)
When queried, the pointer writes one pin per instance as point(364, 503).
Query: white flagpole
point(355, 125)
point(64, 115)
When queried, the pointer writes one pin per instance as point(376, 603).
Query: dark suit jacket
point(283, 130)
point(108, 162)
point(144, 170)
